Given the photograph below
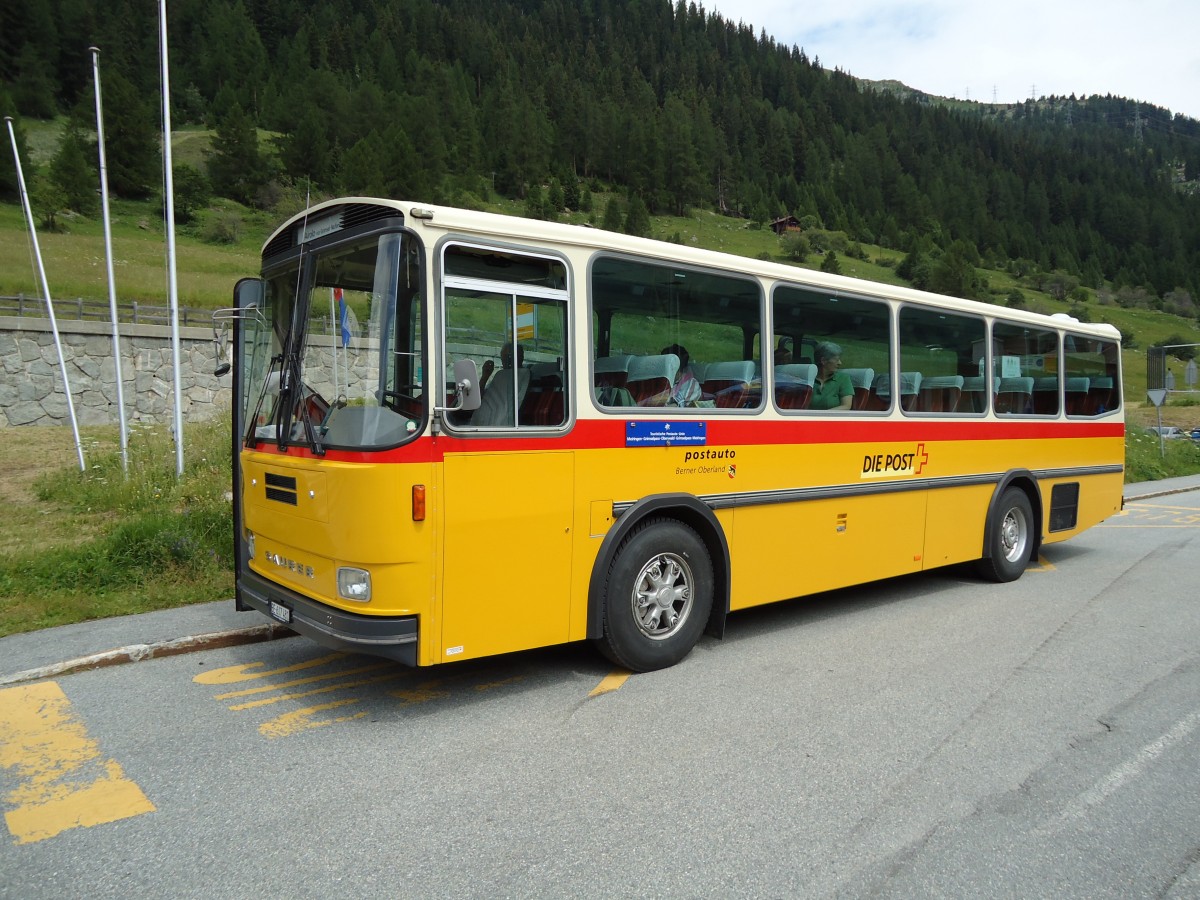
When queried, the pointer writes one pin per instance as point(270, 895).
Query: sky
point(1002, 52)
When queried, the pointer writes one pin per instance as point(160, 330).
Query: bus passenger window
point(944, 350)
point(836, 347)
point(517, 337)
point(1093, 375)
point(1025, 360)
point(666, 337)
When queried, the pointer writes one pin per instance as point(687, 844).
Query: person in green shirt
point(832, 389)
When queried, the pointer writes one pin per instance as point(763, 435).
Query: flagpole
point(169, 196)
point(37, 250)
point(335, 331)
point(112, 284)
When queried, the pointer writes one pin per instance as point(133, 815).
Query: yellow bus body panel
point(345, 514)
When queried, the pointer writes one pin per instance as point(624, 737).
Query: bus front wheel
point(1011, 538)
point(657, 596)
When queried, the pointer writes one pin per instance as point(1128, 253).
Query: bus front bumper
point(392, 637)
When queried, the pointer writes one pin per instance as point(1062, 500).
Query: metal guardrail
point(82, 310)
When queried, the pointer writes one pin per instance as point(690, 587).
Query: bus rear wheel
point(1011, 538)
point(657, 596)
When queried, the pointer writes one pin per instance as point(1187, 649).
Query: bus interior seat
point(973, 398)
point(544, 403)
point(1077, 395)
point(1014, 395)
point(881, 390)
point(611, 371)
point(939, 393)
point(728, 383)
point(861, 380)
point(794, 385)
point(496, 405)
point(1100, 396)
point(1045, 395)
point(651, 378)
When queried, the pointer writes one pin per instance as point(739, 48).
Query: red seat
point(796, 395)
point(728, 383)
point(651, 378)
point(939, 393)
point(861, 380)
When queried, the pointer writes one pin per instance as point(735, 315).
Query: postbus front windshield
point(334, 356)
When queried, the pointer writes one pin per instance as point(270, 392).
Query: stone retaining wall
point(31, 383)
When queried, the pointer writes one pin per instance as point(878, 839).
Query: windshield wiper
point(251, 435)
point(292, 396)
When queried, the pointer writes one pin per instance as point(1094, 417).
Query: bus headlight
point(354, 584)
point(250, 543)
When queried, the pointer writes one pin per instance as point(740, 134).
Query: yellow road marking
point(246, 692)
point(310, 717)
point(63, 782)
point(267, 701)
point(303, 719)
point(610, 682)
point(1044, 565)
point(1152, 515)
point(243, 672)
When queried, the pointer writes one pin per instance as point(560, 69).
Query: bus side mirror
point(248, 296)
point(466, 387)
point(221, 347)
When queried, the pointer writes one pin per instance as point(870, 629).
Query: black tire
point(657, 596)
point(1011, 538)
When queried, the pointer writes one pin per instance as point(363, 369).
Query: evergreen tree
point(131, 138)
point(192, 191)
point(555, 199)
point(830, 264)
point(306, 151)
point(614, 218)
point(235, 166)
point(637, 219)
point(46, 199)
point(953, 274)
point(76, 177)
point(33, 92)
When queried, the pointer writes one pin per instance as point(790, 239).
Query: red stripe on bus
point(609, 434)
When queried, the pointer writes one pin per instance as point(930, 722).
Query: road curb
point(1152, 494)
point(138, 652)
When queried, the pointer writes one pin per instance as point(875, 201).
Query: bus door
point(508, 491)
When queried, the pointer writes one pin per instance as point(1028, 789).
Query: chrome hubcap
point(1013, 535)
point(662, 595)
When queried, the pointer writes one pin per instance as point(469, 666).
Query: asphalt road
point(931, 736)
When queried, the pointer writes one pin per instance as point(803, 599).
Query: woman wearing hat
point(833, 389)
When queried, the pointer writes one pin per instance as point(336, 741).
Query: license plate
point(280, 612)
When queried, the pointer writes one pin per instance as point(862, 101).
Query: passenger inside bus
point(686, 389)
point(832, 388)
point(783, 351)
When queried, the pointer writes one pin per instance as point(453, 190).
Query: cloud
point(1006, 51)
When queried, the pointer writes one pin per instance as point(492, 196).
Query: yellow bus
point(461, 434)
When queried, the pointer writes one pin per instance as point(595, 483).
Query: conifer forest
point(664, 104)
